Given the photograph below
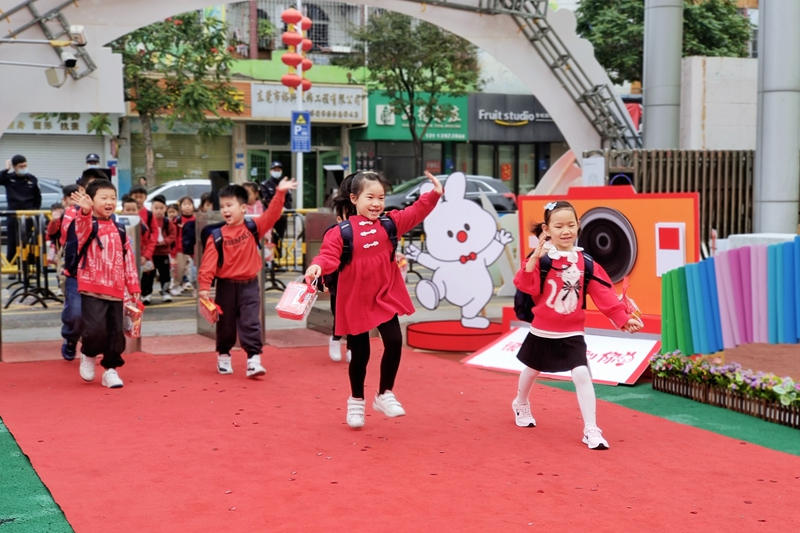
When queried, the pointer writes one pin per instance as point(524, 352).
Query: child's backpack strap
point(123, 234)
point(391, 229)
point(545, 264)
point(588, 276)
point(216, 234)
point(253, 227)
point(92, 236)
point(346, 229)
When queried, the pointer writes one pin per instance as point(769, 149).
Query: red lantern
point(307, 64)
point(291, 38)
point(306, 85)
point(307, 23)
point(292, 59)
point(307, 45)
point(291, 80)
point(291, 16)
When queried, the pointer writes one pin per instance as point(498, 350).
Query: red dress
point(371, 289)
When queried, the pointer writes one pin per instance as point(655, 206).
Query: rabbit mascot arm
point(463, 241)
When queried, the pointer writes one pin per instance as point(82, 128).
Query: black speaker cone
point(608, 236)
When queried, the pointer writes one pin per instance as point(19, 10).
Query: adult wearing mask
point(268, 189)
point(22, 193)
point(92, 161)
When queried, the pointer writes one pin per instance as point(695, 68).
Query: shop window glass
point(464, 158)
point(180, 156)
point(280, 135)
point(486, 160)
point(505, 155)
point(527, 168)
point(326, 135)
point(256, 134)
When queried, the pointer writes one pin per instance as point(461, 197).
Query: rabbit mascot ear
point(456, 187)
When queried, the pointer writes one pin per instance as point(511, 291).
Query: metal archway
point(539, 46)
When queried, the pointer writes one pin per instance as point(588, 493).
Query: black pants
point(241, 313)
point(392, 347)
point(333, 312)
point(161, 263)
point(102, 330)
point(12, 234)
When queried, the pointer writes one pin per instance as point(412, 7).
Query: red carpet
point(182, 448)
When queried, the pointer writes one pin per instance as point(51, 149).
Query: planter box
point(730, 399)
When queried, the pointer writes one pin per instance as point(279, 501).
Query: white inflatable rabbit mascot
point(462, 241)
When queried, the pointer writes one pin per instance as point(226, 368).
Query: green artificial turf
point(26, 506)
point(735, 425)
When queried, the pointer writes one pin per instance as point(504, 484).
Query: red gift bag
point(297, 300)
point(133, 309)
point(209, 310)
point(630, 306)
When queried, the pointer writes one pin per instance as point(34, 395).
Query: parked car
point(177, 189)
point(51, 194)
point(502, 198)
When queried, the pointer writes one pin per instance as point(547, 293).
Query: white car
point(177, 189)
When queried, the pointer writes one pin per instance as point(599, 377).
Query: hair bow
point(550, 206)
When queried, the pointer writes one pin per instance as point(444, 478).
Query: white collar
point(555, 253)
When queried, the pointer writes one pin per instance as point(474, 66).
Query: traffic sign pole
point(299, 169)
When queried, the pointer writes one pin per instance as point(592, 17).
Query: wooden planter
point(730, 399)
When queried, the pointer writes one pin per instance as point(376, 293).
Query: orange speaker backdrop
point(619, 230)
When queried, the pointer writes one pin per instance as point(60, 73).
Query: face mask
point(92, 166)
point(276, 173)
point(21, 171)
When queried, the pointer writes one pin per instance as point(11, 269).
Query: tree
point(415, 63)
point(616, 29)
point(179, 69)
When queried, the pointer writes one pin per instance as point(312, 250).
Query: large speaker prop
point(641, 236)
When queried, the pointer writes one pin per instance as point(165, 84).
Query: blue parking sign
point(301, 131)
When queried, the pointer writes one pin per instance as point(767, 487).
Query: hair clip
point(550, 206)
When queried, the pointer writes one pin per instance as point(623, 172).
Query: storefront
point(385, 145)
point(511, 137)
point(260, 135)
point(56, 147)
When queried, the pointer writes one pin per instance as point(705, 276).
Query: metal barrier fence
point(29, 260)
point(724, 180)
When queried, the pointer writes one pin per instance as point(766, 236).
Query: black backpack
point(346, 229)
point(523, 302)
point(215, 231)
point(73, 256)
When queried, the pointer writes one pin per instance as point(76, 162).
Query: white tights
point(583, 388)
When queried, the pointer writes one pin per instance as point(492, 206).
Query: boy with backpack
point(231, 256)
point(106, 271)
point(163, 233)
point(71, 315)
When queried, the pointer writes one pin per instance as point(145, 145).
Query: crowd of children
point(356, 259)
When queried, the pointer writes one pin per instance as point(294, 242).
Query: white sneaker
point(147, 300)
point(111, 379)
point(522, 412)
point(387, 404)
point(165, 297)
point(254, 368)
point(87, 367)
point(177, 291)
point(335, 349)
point(224, 365)
point(348, 356)
point(188, 286)
point(593, 438)
point(355, 412)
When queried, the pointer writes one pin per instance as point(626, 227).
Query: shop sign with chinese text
point(386, 125)
point(331, 103)
point(56, 124)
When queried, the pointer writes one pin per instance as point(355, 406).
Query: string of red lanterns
point(298, 46)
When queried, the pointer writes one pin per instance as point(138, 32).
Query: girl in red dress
point(555, 342)
point(371, 291)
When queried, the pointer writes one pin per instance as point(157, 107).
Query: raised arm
point(268, 218)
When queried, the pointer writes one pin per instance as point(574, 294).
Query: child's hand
point(537, 254)
point(204, 295)
point(135, 295)
point(437, 185)
point(633, 325)
point(313, 272)
point(82, 200)
point(287, 184)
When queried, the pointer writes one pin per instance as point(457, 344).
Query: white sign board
point(57, 124)
point(331, 103)
point(612, 360)
point(594, 171)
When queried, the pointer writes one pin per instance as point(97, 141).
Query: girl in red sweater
point(371, 292)
point(555, 342)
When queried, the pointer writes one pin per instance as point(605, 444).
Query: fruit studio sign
point(511, 119)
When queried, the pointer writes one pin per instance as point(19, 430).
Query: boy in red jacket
point(238, 290)
point(105, 272)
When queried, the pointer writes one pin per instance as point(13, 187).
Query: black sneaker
point(68, 350)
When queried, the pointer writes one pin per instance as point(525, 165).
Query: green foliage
point(266, 30)
point(616, 29)
point(406, 58)
point(180, 68)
